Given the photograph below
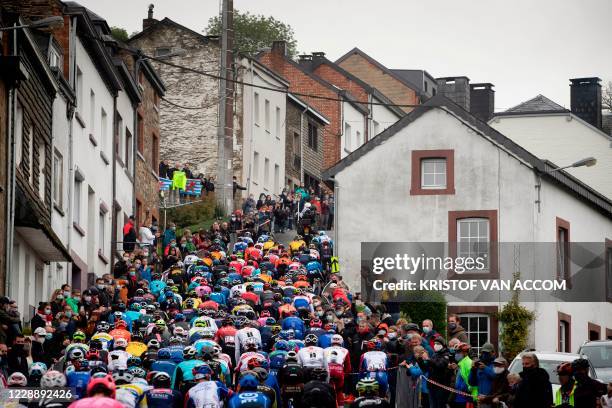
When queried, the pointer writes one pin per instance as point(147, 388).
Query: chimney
point(457, 89)
point(318, 55)
point(149, 21)
point(279, 47)
point(585, 95)
point(482, 101)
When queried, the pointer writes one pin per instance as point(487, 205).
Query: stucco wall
point(356, 120)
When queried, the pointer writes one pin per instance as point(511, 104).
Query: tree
point(606, 98)
point(255, 32)
point(119, 34)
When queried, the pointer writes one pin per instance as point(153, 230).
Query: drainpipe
point(336, 196)
point(252, 127)
point(114, 193)
point(302, 144)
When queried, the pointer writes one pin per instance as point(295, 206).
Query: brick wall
point(292, 169)
point(302, 83)
point(394, 89)
point(187, 135)
point(3, 180)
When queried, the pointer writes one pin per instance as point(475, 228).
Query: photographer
point(482, 373)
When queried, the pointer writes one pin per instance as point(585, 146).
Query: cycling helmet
point(292, 356)
point(200, 323)
point(135, 307)
point(153, 344)
point(120, 324)
point(120, 343)
point(140, 292)
point(164, 354)
point(270, 321)
point(281, 345)
point(179, 317)
point(311, 339)
point(17, 379)
point(53, 379)
point(92, 354)
point(337, 340)
point(367, 386)
point(134, 362)
point(37, 369)
point(251, 343)
point(318, 373)
point(175, 340)
point(262, 373)
point(161, 379)
point(316, 322)
point(103, 327)
point(78, 336)
point(122, 376)
point(189, 352)
point(102, 384)
point(160, 324)
point(137, 372)
point(565, 369)
point(95, 344)
point(179, 331)
point(75, 354)
point(202, 372)
point(248, 382)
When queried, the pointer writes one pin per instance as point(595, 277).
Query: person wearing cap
point(463, 366)
point(39, 352)
point(440, 373)
point(588, 390)
point(500, 389)
point(482, 373)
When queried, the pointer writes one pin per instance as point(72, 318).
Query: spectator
point(129, 235)
point(147, 238)
point(6, 320)
point(236, 186)
point(169, 234)
point(455, 331)
point(534, 389)
point(43, 316)
point(482, 374)
point(429, 333)
point(249, 205)
point(163, 169)
point(17, 359)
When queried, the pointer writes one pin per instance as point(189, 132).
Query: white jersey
point(243, 364)
point(336, 355)
point(374, 361)
point(242, 337)
point(210, 326)
point(207, 394)
point(312, 356)
point(118, 359)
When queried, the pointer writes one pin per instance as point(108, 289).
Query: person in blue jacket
point(248, 396)
point(482, 373)
point(295, 323)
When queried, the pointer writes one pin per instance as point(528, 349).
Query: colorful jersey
point(208, 394)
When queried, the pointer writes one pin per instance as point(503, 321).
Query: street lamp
point(49, 22)
point(588, 162)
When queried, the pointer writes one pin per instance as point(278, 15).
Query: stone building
point(188, 114)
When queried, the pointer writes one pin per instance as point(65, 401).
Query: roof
point(171, 23)
point(388, 71)
point(413, 76)
point(267, 70)
point(308, 108)
point(539, 104)
point(542, 167)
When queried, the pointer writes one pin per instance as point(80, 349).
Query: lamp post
point(49, 22)
point(586, 162)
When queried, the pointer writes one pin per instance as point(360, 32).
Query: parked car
point(549, 361)
point(599, 353)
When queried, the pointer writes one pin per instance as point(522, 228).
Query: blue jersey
point(163, 398)
point(218, 297)
point(250, 399)
point(325, 340)
point(157, 287)
point(184, 371)
point(166, 366)
point(78, 380)
point(295, 323)
point(176, 353)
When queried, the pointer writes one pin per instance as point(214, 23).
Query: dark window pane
point(474, 339)
point(483, 324)
point(483, 338)
point(463, 321)
point(473, 324)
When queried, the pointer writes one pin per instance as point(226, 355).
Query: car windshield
point(600, 355)
point(549, 365)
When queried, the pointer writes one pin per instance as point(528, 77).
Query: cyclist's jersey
point(136, 348)
point(167, 366)
point(250, 399)
point(294, 323)
point(243, 364)
point(176, 353)
point(117, 359)
point(184, 371)
point(206, 394)
point(96, 402)
point(130, 395)
point(78, 380)
point(373, 361)
point(337, 355)
point(162, 398)
point(312, 356)
point(367, 402)
point(210, 327)
point(242, 337)
point(291, 374)
point(318, 394)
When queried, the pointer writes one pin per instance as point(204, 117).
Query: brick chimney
point(482, 101)
point(318, 55)
point(279, 47)
point(457, 89)
point(585, 95)
point(149, 21)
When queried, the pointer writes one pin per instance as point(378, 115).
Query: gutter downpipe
point(72, 73)
point(251, 129)
point(336, 202)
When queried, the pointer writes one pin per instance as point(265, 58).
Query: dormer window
point(55, 58)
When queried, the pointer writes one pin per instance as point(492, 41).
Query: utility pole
point(225, 132)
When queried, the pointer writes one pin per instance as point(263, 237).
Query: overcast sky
point(523, 47)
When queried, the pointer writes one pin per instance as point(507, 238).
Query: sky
point(523, 47)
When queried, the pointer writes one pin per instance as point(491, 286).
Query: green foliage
point(421, 305)
point(515, 321)
point(255, 32)
point(119, 34)
point(197, 215)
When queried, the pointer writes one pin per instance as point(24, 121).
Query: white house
point(440, 175)
point(552, 132)
point(262, 129)
point(354, 119)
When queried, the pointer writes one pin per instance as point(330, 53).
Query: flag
point(164, 184)
point(193, 187)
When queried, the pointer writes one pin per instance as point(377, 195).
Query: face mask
point(173, 245)
point(498, 370)
point(485, 357)
point(438, 347)
point(339, 313)
point(63, 325)
point(66, 293)
point(329, 317)
point(47, 311)
point(68, 314)
point(426, 329)
point(173, 228)
point(458, 356)
point(392, 335)
point(59, 298)
point(41, 340)
point(320, 313)
point(452, 326)
point(145, 253)
point(101, 286)
point(87, 298)
point(132, 273)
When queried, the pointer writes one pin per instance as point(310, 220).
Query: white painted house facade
point(438, 169)
point(262, 129)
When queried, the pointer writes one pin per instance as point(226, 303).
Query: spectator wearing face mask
point(169, 235)
point(17, 358)
point(6, 320)
point(39, 349)
point(455, 331)
point(43, 317)
point(482, 373)
point(429, 333)
point(500, 389)
point(3, 363)
point(439, 372)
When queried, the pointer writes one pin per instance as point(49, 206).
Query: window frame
point(417, 156)
point(608, 268)
point(453, 218)
point(468, 331)
point(41, 172)
point(567, 319)
point(267, 115)
point(347, 137)
point(58, 180)
point(563, 225)
point(434, 161)
point(313, 136)
point(19, 122)
point(592, 327)
point(256, 113)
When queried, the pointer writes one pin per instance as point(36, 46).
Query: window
point(432, 172)
point(140, 135)
point(58, 180)
point(474, 234)
point(276, 178)
point(18, 133)
point(347, 138)
point(477, 327)
point(78, 185)
point(30, 147)
point(376, 127)
point(92, 112)
point(313, 136)
point(128, 150)
point(565, 332)
point(563, 250)
point(79, 88)
point(267, 115)
point(594, 331)
point(256, 108)
point(425, 83)
point(162, 51)
point(55, 58)
point(358, 139)
point(120, 141)
point(255, 176)
point(155, 153)
point(103, 128)
point(433, 91)
point(42, 159)
point(266, 172)
point(296, 141)
point(101, 232)
point(608, 260)
point(277, 129)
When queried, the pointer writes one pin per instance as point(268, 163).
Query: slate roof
point(539, 104)
point(171, 23)
point(542, 167)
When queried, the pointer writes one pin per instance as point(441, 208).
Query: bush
point(422, 305)
point(515, 320)
point(204, 212)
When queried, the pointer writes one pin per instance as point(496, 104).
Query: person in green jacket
point(564, 396)
point(463, 366)
point(70, 299)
